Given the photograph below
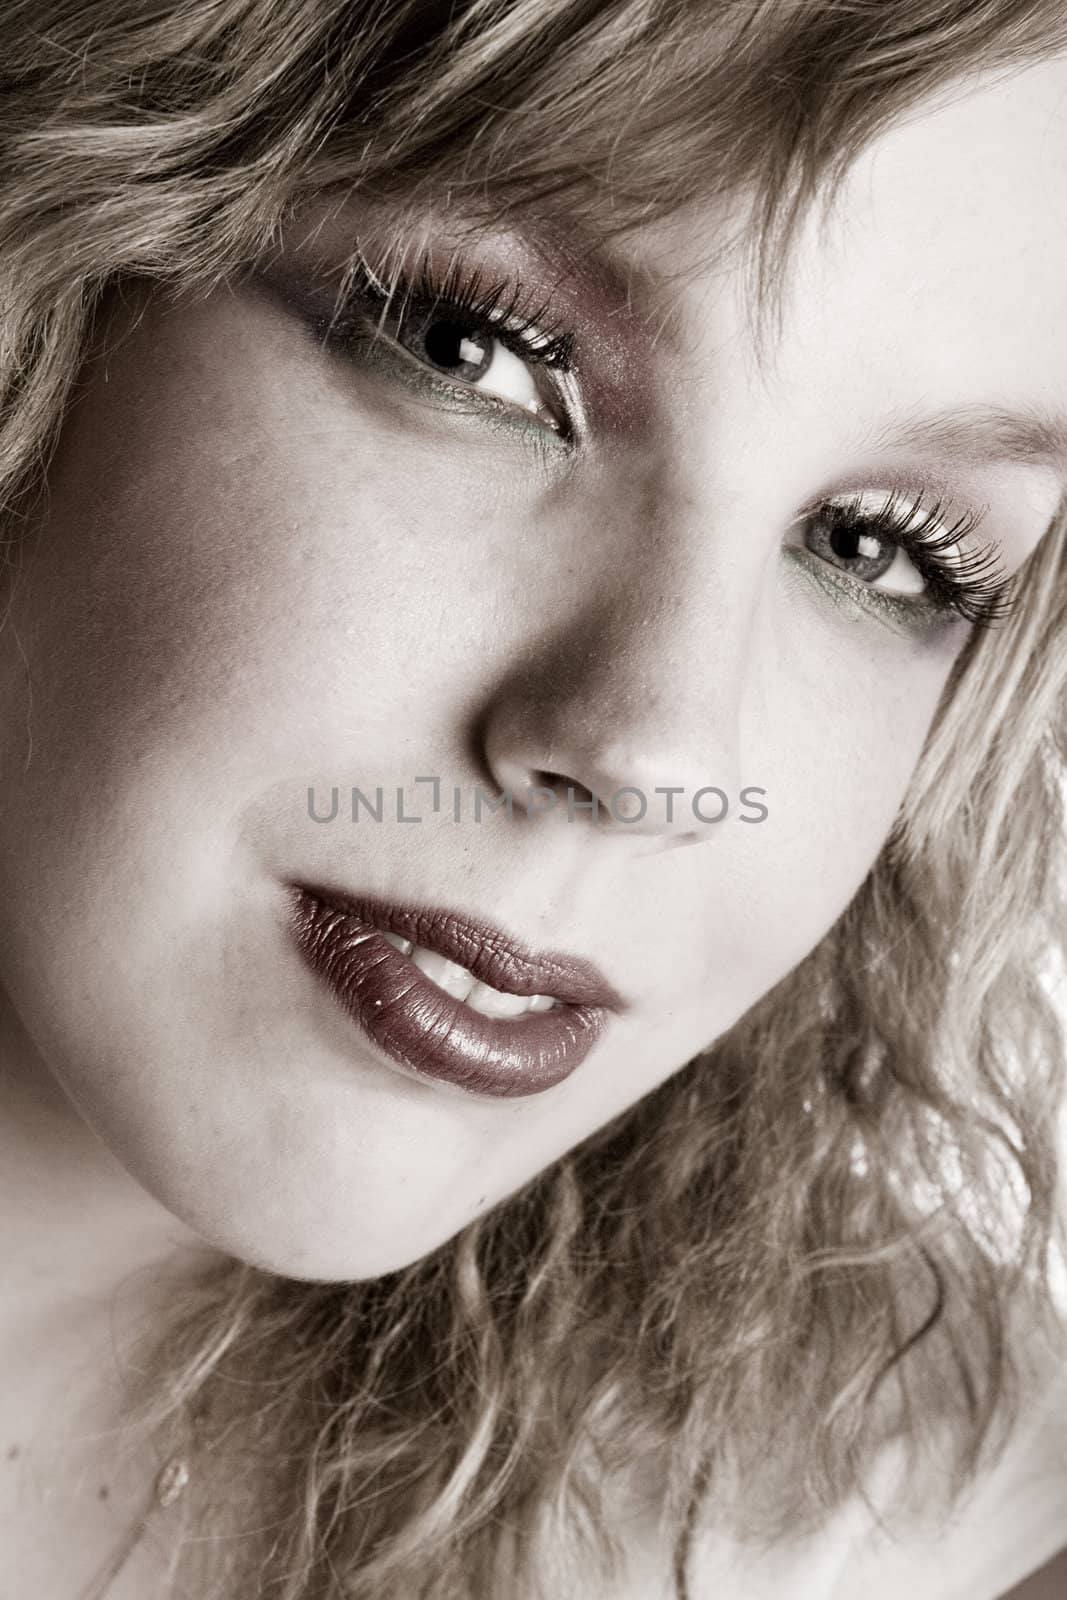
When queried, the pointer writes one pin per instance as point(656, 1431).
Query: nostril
point(559, 783)
point(566, 790)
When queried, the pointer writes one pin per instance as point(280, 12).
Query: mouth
point(452, 999)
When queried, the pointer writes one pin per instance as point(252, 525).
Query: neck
point(89, 1259)
point(83, 1242)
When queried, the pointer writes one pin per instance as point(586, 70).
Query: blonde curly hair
point(792, 1251)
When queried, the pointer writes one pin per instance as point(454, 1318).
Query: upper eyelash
point(503, 305)
point(973, 584)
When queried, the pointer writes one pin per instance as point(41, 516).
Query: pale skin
point(264, 565)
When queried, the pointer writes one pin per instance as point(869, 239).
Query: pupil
point(442, 342)
point(844, 542)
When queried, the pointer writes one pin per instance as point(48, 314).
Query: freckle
point(13, 1453)
point(103, 1491)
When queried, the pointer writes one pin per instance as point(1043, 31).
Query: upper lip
point(487, 953)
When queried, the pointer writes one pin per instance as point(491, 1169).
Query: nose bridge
point(638, 688)
point(662, 675)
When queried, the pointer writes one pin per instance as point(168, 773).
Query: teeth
point(462, 985)
point(453, 979)
point(491, 1003)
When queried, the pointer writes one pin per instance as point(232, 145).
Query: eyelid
point(526, 326)
point(883, 497)
point(911, 527)
point(903, 510)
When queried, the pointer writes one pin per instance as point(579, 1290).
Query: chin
point(298, 1228)
point(359, 1257)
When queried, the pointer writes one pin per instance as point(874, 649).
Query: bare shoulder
point(1008, 1527)
point(1005, 1539)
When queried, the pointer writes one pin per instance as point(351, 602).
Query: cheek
point(221, 590)
point(834, 716)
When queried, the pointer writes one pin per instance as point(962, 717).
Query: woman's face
point(270, 564)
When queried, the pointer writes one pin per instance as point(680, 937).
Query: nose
point(627, 715)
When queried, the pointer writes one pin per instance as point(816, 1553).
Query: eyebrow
point(981, 434)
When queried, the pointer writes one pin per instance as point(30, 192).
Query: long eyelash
point(972, 583)
point(529, 331)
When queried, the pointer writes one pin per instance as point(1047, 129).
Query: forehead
point(945, 259)
point(933, 285)
point(949, 240)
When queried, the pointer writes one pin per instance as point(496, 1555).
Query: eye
point(468, 339)
point(464, 349)
point(854, 535)
point(889, 544)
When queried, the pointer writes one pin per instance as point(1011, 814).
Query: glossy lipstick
point(413, 1021)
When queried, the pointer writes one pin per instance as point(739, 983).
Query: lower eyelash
point(973, 583)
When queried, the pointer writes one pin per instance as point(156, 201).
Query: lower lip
point(407, 1017)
